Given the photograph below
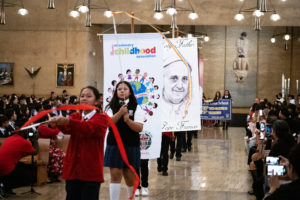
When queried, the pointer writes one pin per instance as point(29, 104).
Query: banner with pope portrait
point(181, 102)
point(137, 58)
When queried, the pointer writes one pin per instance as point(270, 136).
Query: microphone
point(121, 102)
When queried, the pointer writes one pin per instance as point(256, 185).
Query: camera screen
point(272, 160)
point(277, 170)
point(262, 126)
point(261, 136)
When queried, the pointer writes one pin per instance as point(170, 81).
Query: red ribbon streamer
point(111, 124)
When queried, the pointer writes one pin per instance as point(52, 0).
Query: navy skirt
point(113, 157)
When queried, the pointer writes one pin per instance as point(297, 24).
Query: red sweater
point(46, 132)
point(169, 134)
point(12, 151)
point(85, 154)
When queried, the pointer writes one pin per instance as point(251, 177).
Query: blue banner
point(217, 110)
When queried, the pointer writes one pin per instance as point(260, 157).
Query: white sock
point(114, 191)
point(129, 191)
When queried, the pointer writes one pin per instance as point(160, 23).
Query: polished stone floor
point(215, 169)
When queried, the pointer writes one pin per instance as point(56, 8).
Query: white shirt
point(89, 115)
point(138, 115)
point(2, 131)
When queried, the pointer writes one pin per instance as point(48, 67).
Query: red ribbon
point(111, 124)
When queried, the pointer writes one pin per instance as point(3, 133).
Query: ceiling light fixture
point(51, 4)
point(286, 36)
point(258, 12)
point(85, 7)
point(21, 11)
point(172, 11)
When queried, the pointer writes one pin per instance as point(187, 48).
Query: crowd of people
point(272, 133)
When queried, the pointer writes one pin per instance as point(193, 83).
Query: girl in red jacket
point(83, 164)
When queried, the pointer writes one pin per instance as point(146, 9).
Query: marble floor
point(215, 169)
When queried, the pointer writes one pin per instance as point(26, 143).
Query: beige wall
point(271, 59)
point(46, 48)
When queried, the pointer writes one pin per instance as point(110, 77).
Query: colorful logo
point(131, 50)
point(144, 88)
point(146, 140)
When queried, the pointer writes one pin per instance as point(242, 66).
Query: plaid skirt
point(113, 157)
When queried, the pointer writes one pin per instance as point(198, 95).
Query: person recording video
point(291, 190)
point(13, 173)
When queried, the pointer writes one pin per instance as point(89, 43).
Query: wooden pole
point(132, 24)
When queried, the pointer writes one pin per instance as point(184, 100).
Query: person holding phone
point(288, 191)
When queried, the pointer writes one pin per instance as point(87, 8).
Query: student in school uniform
point(83, 164)
point(128, 117)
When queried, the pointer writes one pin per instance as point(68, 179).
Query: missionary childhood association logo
point(146, 140)
point(144, 88)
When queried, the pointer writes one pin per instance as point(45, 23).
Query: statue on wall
point(33, 73)
point(240, 64)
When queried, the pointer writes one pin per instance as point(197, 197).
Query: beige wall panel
point(213, 54)
point(45, 49)
point(273, 61)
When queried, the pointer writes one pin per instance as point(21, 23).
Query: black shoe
point(178, 159)
point(251, 192)
point(159, 169)
point(165, 173)
point(189, 148)
point(171, 155)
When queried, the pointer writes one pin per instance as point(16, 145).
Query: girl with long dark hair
point(128, 117)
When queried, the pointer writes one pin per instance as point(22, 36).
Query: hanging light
point(275, 17)
point(51, 4)
point(83, 9)
point(206, 38)
point(108, 13)
point(287, 37)
point(173, 22)
point(22, 11)
point(2, 14)
point(193, 15)
point(158, 15)
point(258, 13)
point(239, 17)
point(157, 6)
point(273, 40)
point(171, 11)
point(263, 6)
point(257, 26)
point(74, 13)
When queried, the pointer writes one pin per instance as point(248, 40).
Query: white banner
point(137, 58)
point(175, 93)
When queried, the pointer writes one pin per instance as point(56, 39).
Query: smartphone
point(277, 170)
point(262, 126)
point(261, 136)
point(272, 160)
